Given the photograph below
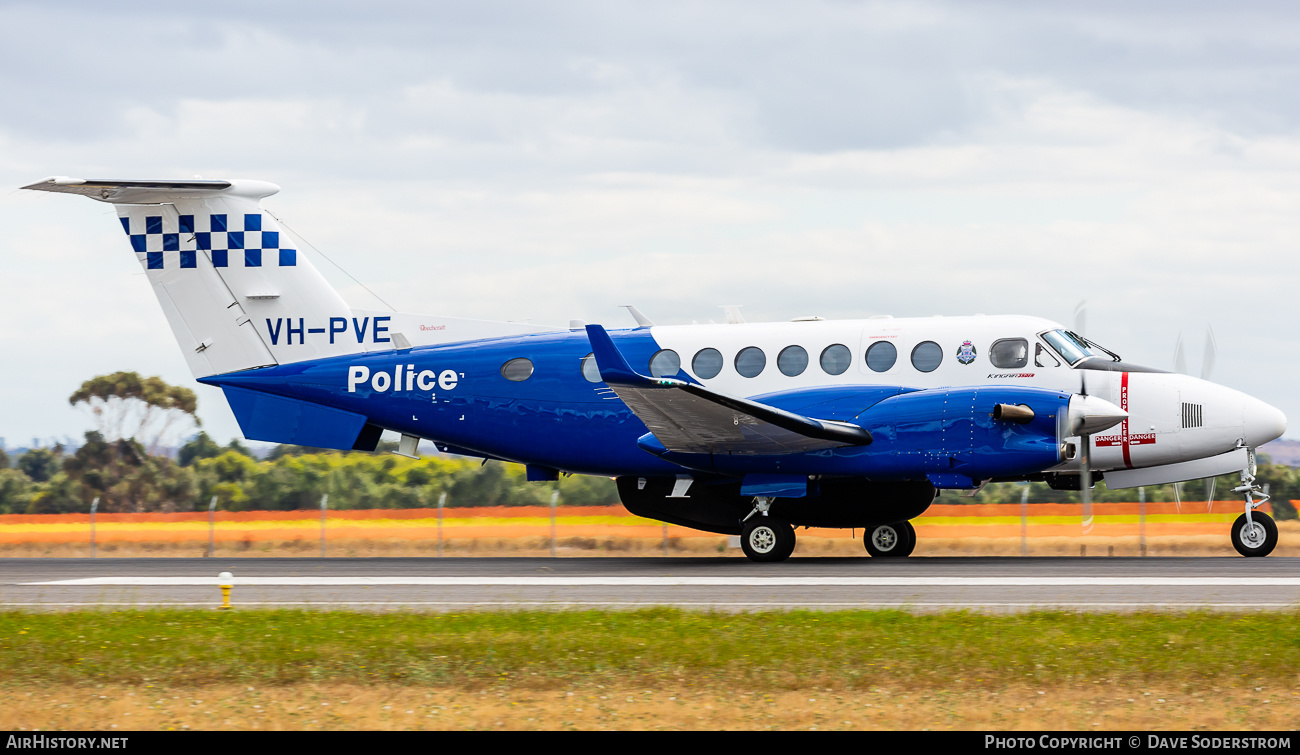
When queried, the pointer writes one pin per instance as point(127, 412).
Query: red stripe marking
point(1123, 428)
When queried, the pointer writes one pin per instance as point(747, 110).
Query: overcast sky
point(552, 160)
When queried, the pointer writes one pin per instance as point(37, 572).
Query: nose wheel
point(894, 540)
point(1254, 536)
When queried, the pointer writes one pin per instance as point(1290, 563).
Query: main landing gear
point(1254, 533)
point(890, 540)
point(763, 537)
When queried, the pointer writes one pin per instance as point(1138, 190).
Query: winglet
point(613, 367)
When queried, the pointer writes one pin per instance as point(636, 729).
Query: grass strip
point(647, 648)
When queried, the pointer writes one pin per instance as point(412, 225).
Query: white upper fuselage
point(1172, 417)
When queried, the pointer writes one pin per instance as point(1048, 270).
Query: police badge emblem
point(966, 353)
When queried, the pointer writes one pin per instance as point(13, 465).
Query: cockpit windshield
point(1073, 347)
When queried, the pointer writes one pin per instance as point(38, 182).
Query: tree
point(39, 464)
point(125, 405)
point(125, 478)
point(15, 491)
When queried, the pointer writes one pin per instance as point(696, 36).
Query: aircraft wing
point(689, 418)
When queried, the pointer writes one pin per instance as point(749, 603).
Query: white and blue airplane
point(740, 429)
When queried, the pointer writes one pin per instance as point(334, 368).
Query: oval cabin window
point(665, 363)
point(750, 361)
point(517, 370)
point(707, 363)
point(881, 356)
point(927, 356)
point(792, 361)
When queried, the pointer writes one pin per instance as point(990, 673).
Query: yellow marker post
point(225, 580)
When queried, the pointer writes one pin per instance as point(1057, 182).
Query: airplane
point(743, 429)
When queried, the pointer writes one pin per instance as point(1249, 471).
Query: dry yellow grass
point(705, 545)
point(349, 707)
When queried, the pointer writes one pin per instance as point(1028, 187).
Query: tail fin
point(236, 291)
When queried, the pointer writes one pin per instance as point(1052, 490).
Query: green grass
point(546, 649)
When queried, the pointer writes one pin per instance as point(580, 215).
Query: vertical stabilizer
point(235, 289)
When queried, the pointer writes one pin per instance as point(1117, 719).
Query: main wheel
point(764, 538)
point(911, 540)
point(1259, 539)
point(890, 540)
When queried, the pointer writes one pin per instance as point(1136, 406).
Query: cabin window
point(792, 360)
point(517, 370)
point(1044, 358)
point(927, 356)
point(665, 363)
point(707, 363)
point(836, 358)
point(1009, 353)
point(881, 356)
point(750, 361)
point(590, 370)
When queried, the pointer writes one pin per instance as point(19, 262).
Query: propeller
point(1081, 317)
point(1208, 357)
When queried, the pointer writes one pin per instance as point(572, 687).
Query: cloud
point(552, 161)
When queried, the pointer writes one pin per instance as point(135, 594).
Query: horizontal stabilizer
point(136, 191)
point(689, 418)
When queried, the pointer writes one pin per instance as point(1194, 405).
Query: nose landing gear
point(1254, 533)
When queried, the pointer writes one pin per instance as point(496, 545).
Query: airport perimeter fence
point(1030, 529)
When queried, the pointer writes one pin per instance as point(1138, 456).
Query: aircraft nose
point(1262, 422)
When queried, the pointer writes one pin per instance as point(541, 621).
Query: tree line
point(119, 466)
point(125, 478)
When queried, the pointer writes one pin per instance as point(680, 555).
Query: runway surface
point(729, 584)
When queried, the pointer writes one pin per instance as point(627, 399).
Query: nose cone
point(1262, 422)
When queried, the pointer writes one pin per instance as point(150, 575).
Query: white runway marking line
point(688, 581)
point(901, 604)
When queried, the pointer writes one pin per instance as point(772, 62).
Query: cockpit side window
point(1044, 358)
point(1009, 353)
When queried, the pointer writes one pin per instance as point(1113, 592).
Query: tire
point(766, 539)
point(911, 540)
point(894, 540)
point(1259, 542)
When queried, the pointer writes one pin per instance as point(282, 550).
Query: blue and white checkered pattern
point(219, 235)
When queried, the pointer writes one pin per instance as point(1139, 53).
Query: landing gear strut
point(1254, 533)
point(890, 540)
point(766, 538)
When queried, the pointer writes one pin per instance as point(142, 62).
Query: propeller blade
point(1209, 499)
point(1211, 352)
point(1178, 497)
point(1180, 360)
point(1085, 492)
point(1081, 317)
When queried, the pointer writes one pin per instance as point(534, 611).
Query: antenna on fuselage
point(641, 320)
point(733, 313)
